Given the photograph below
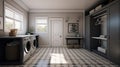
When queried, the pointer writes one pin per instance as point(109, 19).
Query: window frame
point(41, 23)
point(15, 11)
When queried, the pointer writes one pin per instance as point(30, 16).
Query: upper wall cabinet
point(1, 8)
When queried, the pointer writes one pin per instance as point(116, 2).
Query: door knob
point(60, 36)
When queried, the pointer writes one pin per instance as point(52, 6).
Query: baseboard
point(46, 46)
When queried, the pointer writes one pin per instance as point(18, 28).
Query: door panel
point(87, 33)
point(57, 32)
point(114, 47)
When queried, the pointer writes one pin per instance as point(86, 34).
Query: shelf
point(103, 50)
point(100, 53)
point(99, 38)
point(71, 43)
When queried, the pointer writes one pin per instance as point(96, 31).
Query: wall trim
point(22, 5)
point(50, 46)
point(55, 10)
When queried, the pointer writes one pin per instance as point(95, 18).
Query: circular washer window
point(27, 46)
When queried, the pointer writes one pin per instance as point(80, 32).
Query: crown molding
point(19, 2)
point(55, 10)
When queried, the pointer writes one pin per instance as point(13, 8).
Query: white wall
point(44, 37)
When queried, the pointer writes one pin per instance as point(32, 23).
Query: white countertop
point(100, 38)
point(17, 36)
point(75, 37)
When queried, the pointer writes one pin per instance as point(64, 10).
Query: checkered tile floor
point(64, 57)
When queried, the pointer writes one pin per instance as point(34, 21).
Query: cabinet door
point(87, 32)
point(114, 28)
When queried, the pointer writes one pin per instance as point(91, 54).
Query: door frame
point(50, 29)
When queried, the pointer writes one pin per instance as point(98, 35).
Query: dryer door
point(27, 47)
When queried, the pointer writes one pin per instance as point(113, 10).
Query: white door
point(57, 32)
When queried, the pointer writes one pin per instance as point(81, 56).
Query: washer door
point(27, 47)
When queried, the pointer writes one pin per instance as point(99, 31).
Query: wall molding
point(48, 46)
point(19, 2)
point(54, 10)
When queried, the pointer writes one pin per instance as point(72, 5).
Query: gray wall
point(1, 8)
point(45, 37)
point(1, 13)
point(15, 5)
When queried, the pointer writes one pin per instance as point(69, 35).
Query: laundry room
point(59, 33)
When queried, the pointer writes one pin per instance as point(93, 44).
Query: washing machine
point(33, 44)
point(27, 48)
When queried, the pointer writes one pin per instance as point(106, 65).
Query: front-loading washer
point(27, 47)
point(33, 43)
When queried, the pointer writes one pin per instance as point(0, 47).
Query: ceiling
point(59, 4)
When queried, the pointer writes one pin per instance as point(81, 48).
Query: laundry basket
point(11, 51)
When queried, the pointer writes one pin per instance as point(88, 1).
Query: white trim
point(56, 18)
point(54, 10)
point(22, 5)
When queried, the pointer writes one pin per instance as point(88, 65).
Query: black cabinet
point(114, 32)
point(87, 33)
point(91, 30)
point(111, 30)
point(95, 31)
point(37, 41)
point(10, 50)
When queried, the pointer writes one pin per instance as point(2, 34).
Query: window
point(41, 24)
point(13, 20)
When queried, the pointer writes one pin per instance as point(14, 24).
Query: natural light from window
point(41, 25)
point(13, 20)
point(57, 58)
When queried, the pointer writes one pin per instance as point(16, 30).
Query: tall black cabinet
point(114, 32)
point(87, 32)
point(111, 30)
